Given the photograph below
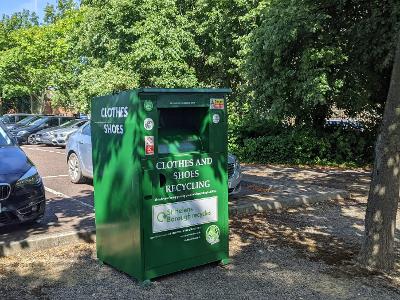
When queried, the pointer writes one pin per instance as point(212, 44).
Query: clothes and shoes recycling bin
point(160, 179)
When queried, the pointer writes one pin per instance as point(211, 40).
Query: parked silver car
point(60, 136)
point(80, 166)
point(56, 136)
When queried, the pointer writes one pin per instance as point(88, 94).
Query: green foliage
point(288, 145)
point(95, 81)
point(309, 56)
point(149, 38)
point(52, 13)
point(221, 28)
point(287, 61)
point(31, 61)
point(23, 19)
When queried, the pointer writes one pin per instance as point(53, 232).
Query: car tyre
point(31, 140)
point(74, 169)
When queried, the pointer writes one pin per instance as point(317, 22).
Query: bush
point(292, 145)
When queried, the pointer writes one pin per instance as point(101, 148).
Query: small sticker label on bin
point(148, 105)
point(148, 124)
point(149, 145)
point(217, 103)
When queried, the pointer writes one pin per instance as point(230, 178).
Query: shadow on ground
point(304, 253)
point(307, 253)
point(355, 181)
point(62, 215)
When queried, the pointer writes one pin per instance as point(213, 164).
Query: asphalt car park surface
point(51, 163)
point(69, 206)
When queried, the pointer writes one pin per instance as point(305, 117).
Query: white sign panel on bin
point(184, 214)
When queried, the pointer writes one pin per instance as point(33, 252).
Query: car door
point(85, 150)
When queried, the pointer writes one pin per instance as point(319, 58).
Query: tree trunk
point(31, 102)
point(43, 102)
point(377, 252)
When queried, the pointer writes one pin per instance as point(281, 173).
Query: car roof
point(19, 114)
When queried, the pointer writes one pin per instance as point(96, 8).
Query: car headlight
point(23, 132)
point(67, 135)
point(31, 177)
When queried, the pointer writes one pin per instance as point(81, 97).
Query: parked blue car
point(80, 167)
point(22, 194)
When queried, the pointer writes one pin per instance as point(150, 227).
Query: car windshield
point(37, 122)
point(69, 123)
point(27, 120)
point(4, 138)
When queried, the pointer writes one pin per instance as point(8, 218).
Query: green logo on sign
point(161, 216)
point(212, 234)
point(148, 105)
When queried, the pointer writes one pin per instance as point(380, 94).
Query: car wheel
point(75, 170)
point(32, 140)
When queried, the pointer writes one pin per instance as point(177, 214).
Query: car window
point(65, 120)
point(19, 118)
point(6, 119)
point(86, 130)
point(53, 122)
point(68, 123)
point(27, 120)
point(39, 122)
point(4, 138)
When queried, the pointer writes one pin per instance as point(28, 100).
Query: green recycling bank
point(160, 179)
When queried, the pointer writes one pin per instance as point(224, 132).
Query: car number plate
point(229, 184)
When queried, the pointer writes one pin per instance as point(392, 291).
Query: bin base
point(146, 283)
point(225, 261)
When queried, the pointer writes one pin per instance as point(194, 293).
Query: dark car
point(22, 196)
point(24, 122)
point(13, 118)
point(21, 134)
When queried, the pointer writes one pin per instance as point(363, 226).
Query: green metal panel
point(160, 178)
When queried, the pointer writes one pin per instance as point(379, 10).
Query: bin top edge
point(187, 90)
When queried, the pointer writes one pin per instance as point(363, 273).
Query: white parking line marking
point(43, 150)
point(54, 176)
point(66, 196)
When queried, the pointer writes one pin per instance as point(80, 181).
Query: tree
point(123, 44)
point(53, 13)
point(380, 220)
point(310, 56)
point(92, 82)
point(23, 19)
point(221, 28)
point(32, 60)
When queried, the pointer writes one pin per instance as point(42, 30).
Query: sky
point(10, 6)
